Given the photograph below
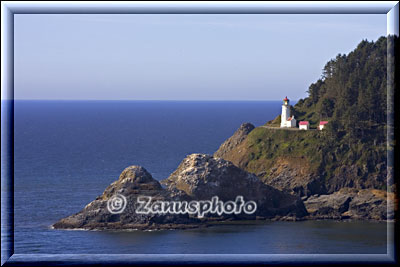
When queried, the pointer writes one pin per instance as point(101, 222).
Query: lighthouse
point(287, 120)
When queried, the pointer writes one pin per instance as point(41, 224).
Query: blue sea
point(68, 152)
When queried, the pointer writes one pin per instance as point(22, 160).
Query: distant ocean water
point(68, 152)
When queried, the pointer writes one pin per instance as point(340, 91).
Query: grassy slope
point(353, 144)
point(264, 146)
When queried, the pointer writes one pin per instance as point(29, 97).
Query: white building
point(287, 120)
point(322, 124)
point(304, 125)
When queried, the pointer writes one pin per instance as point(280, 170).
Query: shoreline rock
point(203, 176)
point(351, 203)
point(133, 182)
point(198, 177)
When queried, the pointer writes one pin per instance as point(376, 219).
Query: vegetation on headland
point(352, 96)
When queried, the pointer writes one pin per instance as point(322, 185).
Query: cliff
point(296, 161)
point(293, 162)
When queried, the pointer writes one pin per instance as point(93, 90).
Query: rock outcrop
point(293, 175)
point(203, 176)
point(236, 139)
point(198, 177)
point(133, 182)
point(351, 203)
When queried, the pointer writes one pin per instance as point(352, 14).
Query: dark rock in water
point(236, 139)
point(203, 176)
point(133, 182)
point(325, 206)
point(372, 204)
point(198, 177)
point(353, 204)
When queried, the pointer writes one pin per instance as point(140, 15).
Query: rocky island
point(340, 172)
point(198, 177)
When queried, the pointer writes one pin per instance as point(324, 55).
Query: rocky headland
point(340, 172)
point(291, 191)
point(349, 194)
point(198, 177)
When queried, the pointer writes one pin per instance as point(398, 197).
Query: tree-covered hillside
point(352, 94)
point(352, 149)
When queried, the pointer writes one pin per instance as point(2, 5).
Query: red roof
point(289, 119)
point(303, 123)
point(286, 99)
point(323, 122)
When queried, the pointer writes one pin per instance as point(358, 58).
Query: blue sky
point(180, 57)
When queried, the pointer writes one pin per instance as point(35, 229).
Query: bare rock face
point(133, 182)
point(329, 206)
point(203, 176)
point(293, 175)
point(357, 177)
point(372, 204)
point(198, 177)
point(351, 203)
point(236, 139)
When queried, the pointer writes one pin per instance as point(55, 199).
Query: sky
point(180, 56)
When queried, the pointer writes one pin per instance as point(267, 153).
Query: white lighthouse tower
point(286, 119)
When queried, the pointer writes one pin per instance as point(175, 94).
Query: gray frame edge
point(7, 134)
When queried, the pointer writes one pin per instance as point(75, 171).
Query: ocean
point(68, 152)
